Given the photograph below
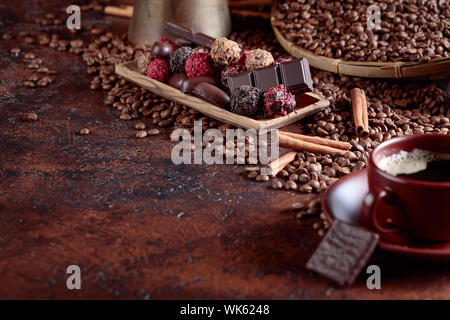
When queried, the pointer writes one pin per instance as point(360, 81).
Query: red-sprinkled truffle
point(158, 69)
point(199, 64)
point(278, 102)
point(174, 46)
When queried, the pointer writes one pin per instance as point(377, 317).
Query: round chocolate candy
point(190, 83)
point(211, 94)
point(161, 49)
point(176, 81)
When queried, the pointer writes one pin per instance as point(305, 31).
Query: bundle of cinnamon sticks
point(301, 142)
point(359, 106)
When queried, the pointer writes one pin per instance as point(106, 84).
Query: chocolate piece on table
point(211, 94)
point(296, 76)
point(267, 78)
point(176, 81)
point(187, 34)
point(161, 49)
point(190, 83)
point(241, 79)
point(343, 252)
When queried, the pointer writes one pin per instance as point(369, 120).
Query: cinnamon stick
point(318, 140)
point(296, 144)
point(365, 115)
point(359, 106)
point(125, 11)
point(276, 166)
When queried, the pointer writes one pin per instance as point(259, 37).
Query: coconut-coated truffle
point(179, 58)
point(258, 59)
point(225, 52)
point(246, 100)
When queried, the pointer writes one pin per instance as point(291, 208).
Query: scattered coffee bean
point(139, 125)
point(141, 134)
point(153, 132)
point(84, 131)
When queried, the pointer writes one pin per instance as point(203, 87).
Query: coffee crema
point(418, 164)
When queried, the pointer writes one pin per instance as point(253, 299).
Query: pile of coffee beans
point(409, 30)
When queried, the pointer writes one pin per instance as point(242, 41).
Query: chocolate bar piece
point(266, 78)
point(294, 75)
point(240, 79)
point(343, 252)
point(187, 34)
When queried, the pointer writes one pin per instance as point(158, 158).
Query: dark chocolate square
point(267, 78)
point(296, 76)
point(240, 79)
point(343, 252)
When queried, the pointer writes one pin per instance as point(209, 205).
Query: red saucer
point(343, 201)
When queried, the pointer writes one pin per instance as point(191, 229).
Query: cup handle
point(370, 212)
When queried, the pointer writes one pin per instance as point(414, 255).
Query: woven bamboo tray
point(307, 103)
point(435, 68)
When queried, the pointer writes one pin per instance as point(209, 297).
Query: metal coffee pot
point(211, 17)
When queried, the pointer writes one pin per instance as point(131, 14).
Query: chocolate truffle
point(143, 60)
point(225, 52)
point(199, 64)
point(258, 59)
point(179, 58)
point(278, 102)
point(158, 69)
point(246, 100)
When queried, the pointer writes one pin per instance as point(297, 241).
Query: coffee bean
point(7, 36)
point(153, 132)
point(29, 84)
point(141, 134)
point(84, 131)
point(15, 52)
point(276, 184)
point(262, 178)
point(139, 125)
point(252, 175)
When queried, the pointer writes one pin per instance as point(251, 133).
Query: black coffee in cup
point(418, 164)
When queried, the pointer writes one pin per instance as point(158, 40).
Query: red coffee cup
point(397, 204)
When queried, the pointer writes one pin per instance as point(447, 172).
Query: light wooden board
point(130, 72)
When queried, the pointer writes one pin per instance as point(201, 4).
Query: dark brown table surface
point(111, 204)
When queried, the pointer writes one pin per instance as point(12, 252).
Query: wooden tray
point(435, 68)
point(307, 103)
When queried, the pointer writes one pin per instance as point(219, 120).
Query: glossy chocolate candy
point(190, 83)
point(212, 94)
point(176, 81)
point(161, 49)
